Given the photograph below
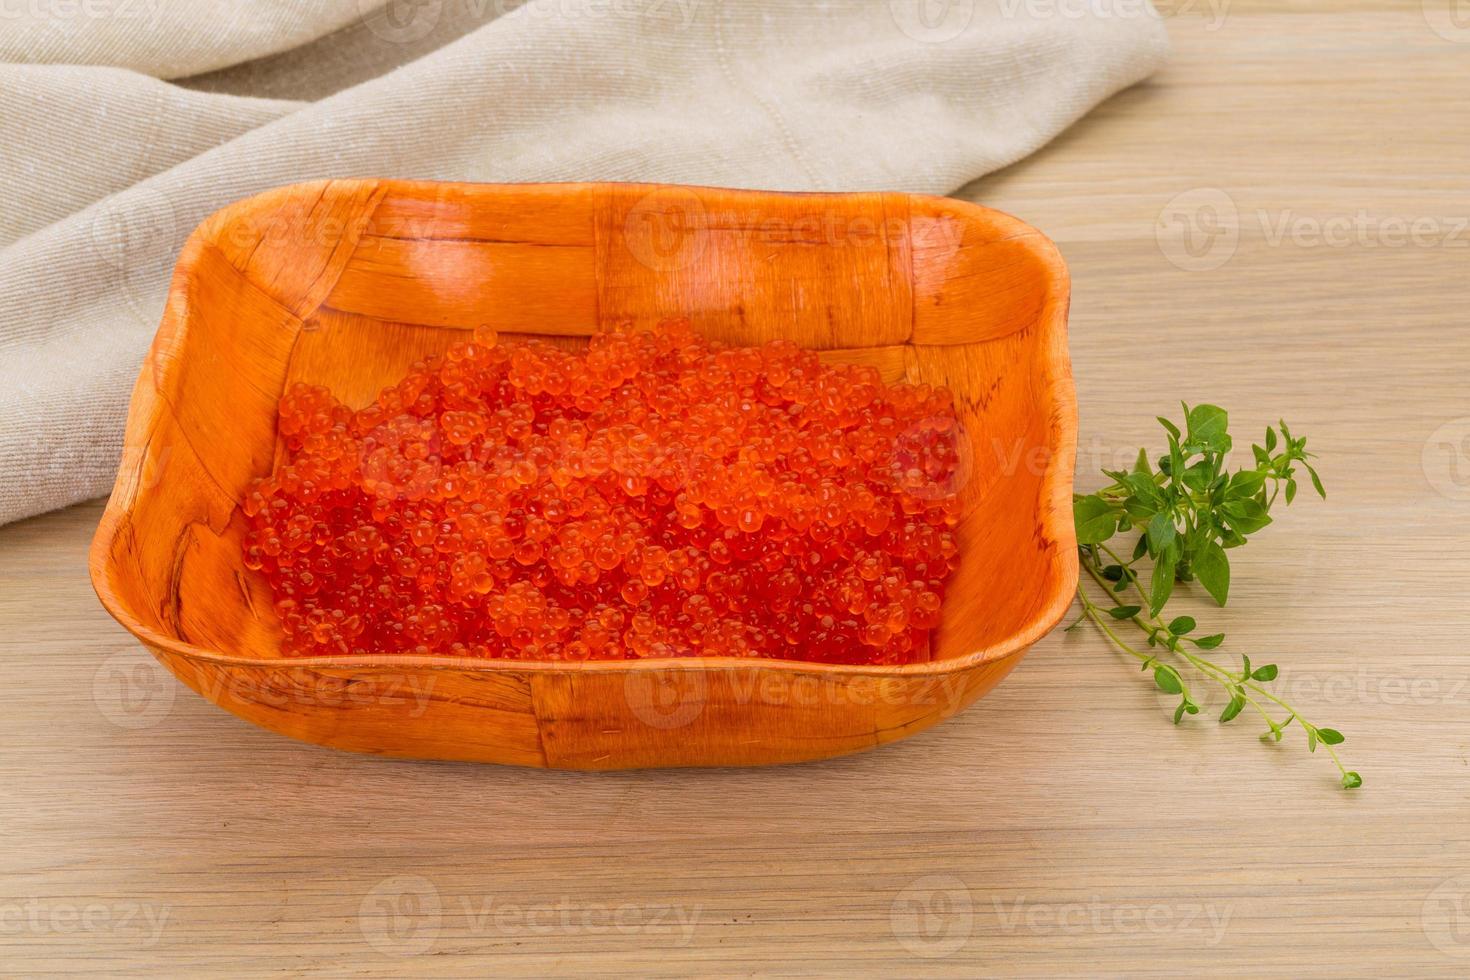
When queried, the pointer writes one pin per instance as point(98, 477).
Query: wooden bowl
point(345, 283)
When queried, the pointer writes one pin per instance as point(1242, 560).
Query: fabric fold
point(843, 95)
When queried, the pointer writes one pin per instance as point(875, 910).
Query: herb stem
point(1210, 669)
point(1190, 510)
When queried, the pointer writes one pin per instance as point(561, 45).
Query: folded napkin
point(124, 123)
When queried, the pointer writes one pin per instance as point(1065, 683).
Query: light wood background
point(1061, 827)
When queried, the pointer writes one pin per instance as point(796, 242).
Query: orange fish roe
point(657, 495)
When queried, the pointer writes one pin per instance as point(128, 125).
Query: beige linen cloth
point(124, 123)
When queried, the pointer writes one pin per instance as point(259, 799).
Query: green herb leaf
point(1161, 585)
point(1212, 568)
point(1095, 520)
point(1316, 481)
point(1206, 425)
point(1237, 703)
point(1197, 477)
point(1142, 486)
point(1246, 516)
point(1160, 532)
point(1245, 483)
point(1189, 511)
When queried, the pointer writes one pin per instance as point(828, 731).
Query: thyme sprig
point(1191, 512)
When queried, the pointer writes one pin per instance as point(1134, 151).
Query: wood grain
point(1086, 836)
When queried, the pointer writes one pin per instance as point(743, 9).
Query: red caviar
point(657, 495)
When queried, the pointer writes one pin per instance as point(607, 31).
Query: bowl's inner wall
point(923, 290)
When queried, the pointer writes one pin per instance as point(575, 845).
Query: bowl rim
point(1056, 485)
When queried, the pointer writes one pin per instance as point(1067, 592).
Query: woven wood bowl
point(345, 283)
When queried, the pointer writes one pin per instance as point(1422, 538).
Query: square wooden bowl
point(346, 282)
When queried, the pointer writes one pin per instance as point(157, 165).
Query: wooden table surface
point(1277, 223)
